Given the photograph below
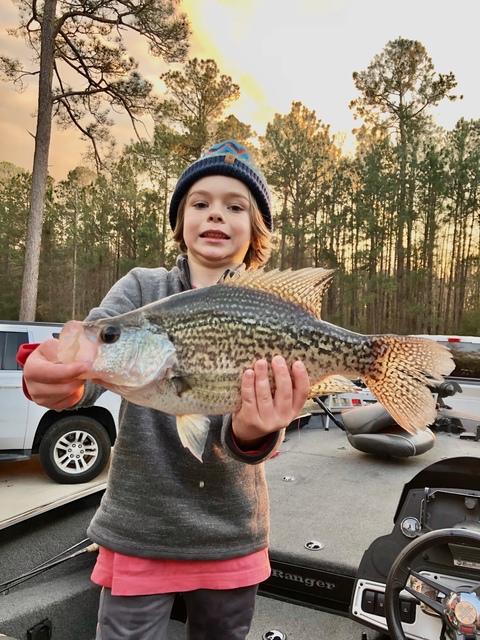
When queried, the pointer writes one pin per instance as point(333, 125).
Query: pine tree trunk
point(28, 302)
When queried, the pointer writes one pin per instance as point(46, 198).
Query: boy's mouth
point(216, 235)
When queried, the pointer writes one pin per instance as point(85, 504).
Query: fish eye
point(109, 335)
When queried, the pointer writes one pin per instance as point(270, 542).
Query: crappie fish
point(185, 355)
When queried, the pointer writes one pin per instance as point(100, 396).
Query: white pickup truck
point(74, 446)
point(466, 354)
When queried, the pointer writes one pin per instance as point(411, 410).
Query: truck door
point(13, 403)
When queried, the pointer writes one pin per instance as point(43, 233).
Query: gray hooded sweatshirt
point(160, 501)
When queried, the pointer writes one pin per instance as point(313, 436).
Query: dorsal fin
point(305, 287)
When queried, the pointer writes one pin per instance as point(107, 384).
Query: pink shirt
point(131, 576)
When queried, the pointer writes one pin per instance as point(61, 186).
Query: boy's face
point(217, 224)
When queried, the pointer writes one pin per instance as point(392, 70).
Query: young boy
point(167, 522)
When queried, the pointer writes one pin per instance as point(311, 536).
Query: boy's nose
point(215, 216)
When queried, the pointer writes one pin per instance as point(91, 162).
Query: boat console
point(422, 580)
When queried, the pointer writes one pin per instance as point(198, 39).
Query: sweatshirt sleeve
point(268, 450)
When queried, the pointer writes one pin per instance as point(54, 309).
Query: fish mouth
point(213, 234)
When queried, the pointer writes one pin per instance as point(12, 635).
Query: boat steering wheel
point(458, 610)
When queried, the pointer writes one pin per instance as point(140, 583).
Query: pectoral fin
point(193, 432)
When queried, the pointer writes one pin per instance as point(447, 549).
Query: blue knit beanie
point(226, 159)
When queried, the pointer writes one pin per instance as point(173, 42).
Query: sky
point(277, 51)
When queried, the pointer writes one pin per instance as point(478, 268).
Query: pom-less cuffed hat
point(226, 159)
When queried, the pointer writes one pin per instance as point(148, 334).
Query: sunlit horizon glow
point(278, 52)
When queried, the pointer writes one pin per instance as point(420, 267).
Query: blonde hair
point(259, 250)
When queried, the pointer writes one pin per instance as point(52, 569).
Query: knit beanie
point(230, 159)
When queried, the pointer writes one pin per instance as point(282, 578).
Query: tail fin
point(398, 377)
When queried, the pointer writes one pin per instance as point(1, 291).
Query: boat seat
point(371, 429)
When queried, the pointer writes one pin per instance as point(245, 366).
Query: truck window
point(466, 356)
point(10, 342)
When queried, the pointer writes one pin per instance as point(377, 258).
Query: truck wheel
point(74, 449)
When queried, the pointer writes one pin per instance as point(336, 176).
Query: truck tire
point(74, 449)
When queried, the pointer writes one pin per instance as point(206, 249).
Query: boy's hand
point(50, 383)
point(261, 412)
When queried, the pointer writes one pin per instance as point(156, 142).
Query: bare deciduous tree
point(84, 71)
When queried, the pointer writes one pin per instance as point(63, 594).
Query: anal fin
point(333, 384)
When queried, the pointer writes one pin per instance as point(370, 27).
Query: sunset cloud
point(277, 51)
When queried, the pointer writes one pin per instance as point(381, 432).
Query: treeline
point(399, 220)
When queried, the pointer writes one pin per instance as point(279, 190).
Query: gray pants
point(211, 615)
